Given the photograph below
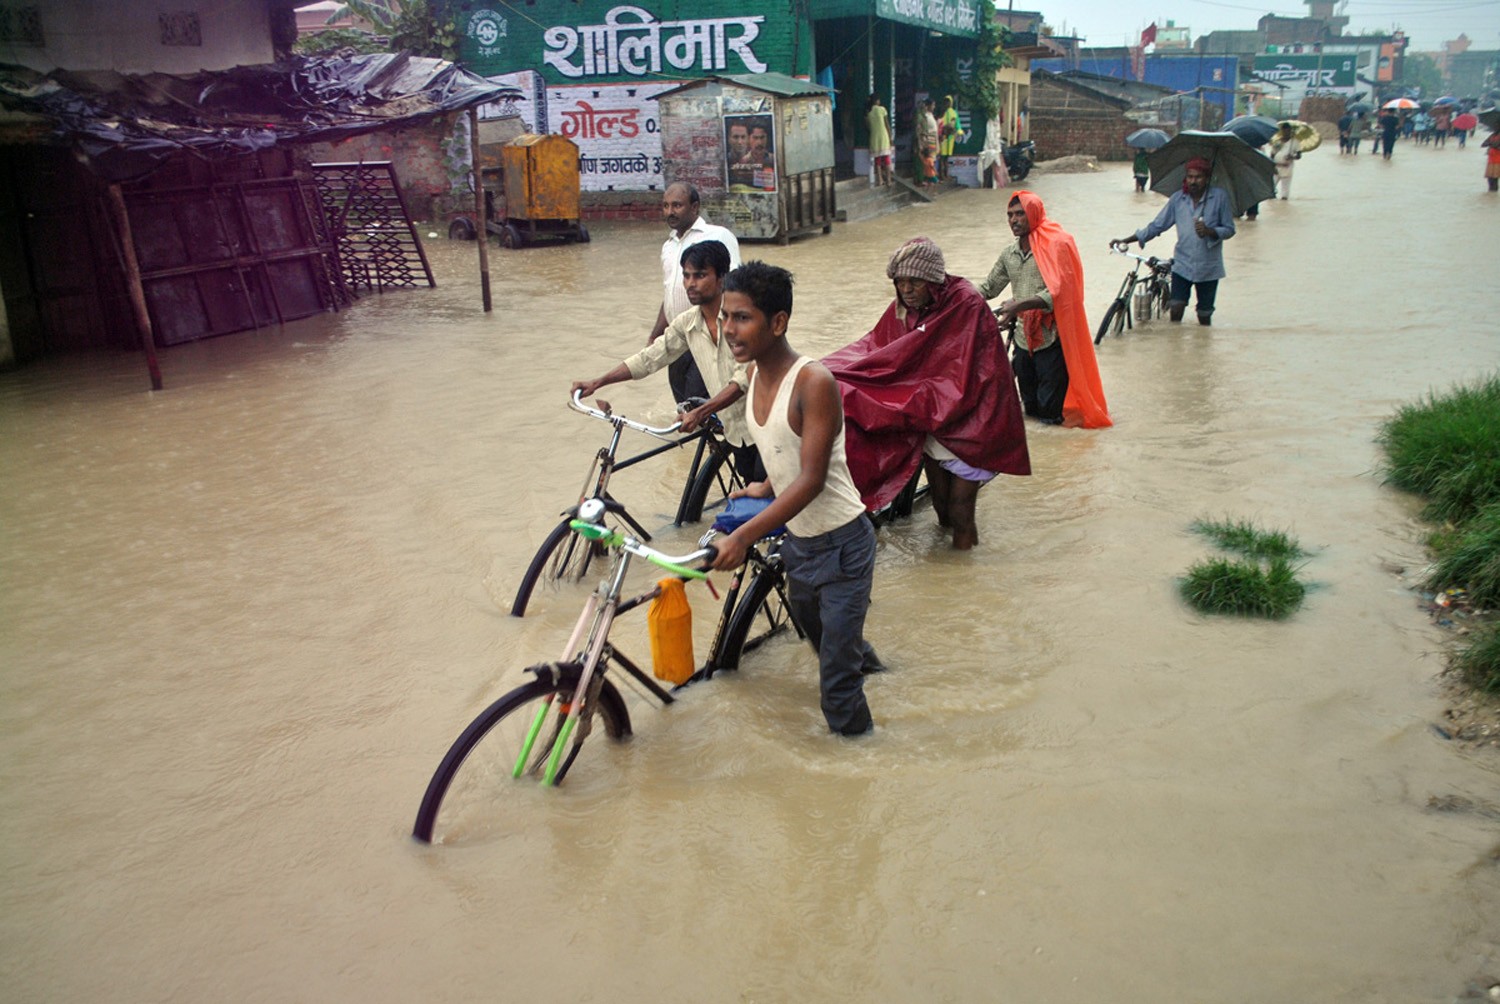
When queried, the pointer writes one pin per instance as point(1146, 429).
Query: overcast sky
point(1428, 23)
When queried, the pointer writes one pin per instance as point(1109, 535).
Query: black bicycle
point(1146, 295)
point(536, 730)
point(565, 556)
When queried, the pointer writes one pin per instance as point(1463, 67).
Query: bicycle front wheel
point(1114, 318)
point(563, 557)
point(512, 738)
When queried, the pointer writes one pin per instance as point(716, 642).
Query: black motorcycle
point(1019, 158)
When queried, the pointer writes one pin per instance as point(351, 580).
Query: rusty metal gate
point(378, 246)
point(224, 245)
point(232, 254)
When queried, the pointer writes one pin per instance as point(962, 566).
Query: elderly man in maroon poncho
point(930, 386)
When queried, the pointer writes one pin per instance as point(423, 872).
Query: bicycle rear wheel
point(715, 471)
point(1162, 296)
point(761, 614)
point(470, 773)
point(1114, 318)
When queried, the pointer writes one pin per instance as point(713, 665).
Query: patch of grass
point(1448, 449)
point(1243, 537)
point(1238, 586)
point(1469, 559)
point(1479, 663)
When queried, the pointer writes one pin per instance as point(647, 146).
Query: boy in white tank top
point(794, 415)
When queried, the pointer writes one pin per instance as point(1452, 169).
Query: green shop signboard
point(596, 42)
point(951, 17)
point(1317, 72)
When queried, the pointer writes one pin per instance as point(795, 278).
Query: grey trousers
point(828, 585)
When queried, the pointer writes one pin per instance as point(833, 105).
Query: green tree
point(413, 26)
point(1421, 71)
point(978, 91)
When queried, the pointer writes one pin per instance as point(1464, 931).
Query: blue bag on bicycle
point(738, 512)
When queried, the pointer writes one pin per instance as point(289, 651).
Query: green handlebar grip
point(682, 570)
point(612, 538)
point(593, 531)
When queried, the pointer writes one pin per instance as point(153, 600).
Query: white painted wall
point(126, 35)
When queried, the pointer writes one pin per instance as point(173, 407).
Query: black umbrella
point(1489, 118)
point(1360, 108)
point(1147, 139)
point(1256, 130)
point(1245, 174)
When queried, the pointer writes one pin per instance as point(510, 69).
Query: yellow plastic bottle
point(670, 622)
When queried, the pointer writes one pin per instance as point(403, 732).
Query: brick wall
point(1321, 109)
point(418, 154)
point(1067, 120)
point(1100, 135)
point(621, 206)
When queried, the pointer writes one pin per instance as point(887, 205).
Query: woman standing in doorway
point(948, 133)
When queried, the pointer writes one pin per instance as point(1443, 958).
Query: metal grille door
point(378, 246)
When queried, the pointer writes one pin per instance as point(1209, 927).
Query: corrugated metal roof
point(772, 83)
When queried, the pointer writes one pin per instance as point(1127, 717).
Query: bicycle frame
point(1160, 269)
point(1158, 277)
point(594, 623)
point(605, 465)
point(568, 697)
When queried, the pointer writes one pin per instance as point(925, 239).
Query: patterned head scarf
point(918, 258)
point(1197, 163)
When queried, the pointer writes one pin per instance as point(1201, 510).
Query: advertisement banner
point(617, 130)
point(592, 41)
point(951, 17)
point(750, 153)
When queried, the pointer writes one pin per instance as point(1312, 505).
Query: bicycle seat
point(737, 512)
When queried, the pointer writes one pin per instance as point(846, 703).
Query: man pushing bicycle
point(698, 330)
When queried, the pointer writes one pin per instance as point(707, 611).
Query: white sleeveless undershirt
point(781, 452)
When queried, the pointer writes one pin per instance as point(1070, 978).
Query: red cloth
point(1062, 270)
point(948, 377)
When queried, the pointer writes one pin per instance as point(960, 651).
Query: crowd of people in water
point(941, 384)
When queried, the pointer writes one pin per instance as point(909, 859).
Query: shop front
point(591, 70)
point(903, 50)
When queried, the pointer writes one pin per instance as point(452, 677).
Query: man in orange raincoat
point(1054, 354)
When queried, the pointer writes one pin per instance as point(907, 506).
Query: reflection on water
point(246, 615)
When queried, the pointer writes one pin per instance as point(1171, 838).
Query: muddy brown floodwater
point(245, 616)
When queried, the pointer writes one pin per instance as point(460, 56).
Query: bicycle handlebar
point(1152, 262)
point(576, 403)
point(676, 564)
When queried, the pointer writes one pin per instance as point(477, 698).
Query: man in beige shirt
point(698, 331)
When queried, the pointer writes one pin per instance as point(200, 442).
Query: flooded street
point(245, 616)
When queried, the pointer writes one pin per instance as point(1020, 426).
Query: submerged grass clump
point(1240, 586)
point(1468, 558)
point(1479, 664)
point(1447, 448)
point(1243, 537)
